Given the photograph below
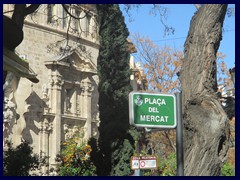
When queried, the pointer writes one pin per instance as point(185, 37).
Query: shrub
point(75, 158)
point(227, 170)
point(166, 167)
point(21, 160)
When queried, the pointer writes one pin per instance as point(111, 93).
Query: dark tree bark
point(21, 11)
point(205, 122)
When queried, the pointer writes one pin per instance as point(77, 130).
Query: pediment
point(76, 61)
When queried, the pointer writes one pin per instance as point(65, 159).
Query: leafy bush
point(167, 167)
point(227, 170)
point(21, 160)
point(75, 157)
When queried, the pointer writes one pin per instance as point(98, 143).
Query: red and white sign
point(143, 162)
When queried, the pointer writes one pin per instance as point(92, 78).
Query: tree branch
point(170, 141)
point(21, 11)
point(31, 9)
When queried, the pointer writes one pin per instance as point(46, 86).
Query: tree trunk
point(21, 11)
point(205, 122)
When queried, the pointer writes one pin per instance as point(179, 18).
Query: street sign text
point(152, 110)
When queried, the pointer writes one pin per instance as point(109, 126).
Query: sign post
point(144, 162)
point(179, 137)
point(158, 111)
point(152, 110)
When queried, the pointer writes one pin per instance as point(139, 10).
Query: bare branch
point(170, 141)
point(8, 11)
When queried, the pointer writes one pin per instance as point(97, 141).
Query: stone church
point(63, 52)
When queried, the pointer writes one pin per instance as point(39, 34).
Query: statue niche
point(68, 100)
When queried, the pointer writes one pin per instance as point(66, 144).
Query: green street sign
point(152, 110)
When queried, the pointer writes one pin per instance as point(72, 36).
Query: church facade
point(63, 52)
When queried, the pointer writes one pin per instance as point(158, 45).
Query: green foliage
point(166, 167)
point(227, 170)
point(169, 166)
point(21, 160)
point(75, 157)
point(121, 166)
point(97, 158)
point(116, 144)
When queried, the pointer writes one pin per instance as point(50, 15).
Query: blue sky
point(179, 17)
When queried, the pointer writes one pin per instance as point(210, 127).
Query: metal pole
point(134, 85)
point(179, 136)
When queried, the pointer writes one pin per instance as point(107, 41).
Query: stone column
point(87, 96)
point(45, 130)
point(56, 109)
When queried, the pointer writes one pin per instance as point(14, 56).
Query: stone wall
point(66, 96)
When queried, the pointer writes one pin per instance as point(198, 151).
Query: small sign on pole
point(152, 110)
point(144, 162)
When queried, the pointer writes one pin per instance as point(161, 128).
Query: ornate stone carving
point(58, 82)
point(46, 127)
point(55, 81)
point(9, 115)
point(90, 88)
point(87, 88)
point(45, 91)
point(70, 132)
point(50, 82)
point(9, 109)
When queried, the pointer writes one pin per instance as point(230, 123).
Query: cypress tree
point(115, 141)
